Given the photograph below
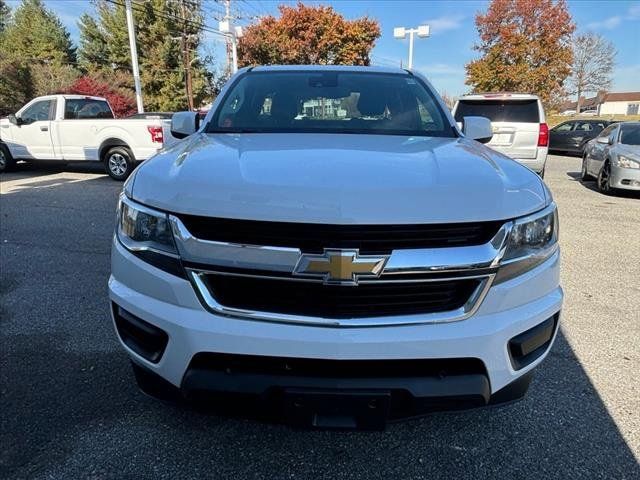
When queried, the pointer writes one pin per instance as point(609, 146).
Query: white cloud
point(606, 24)
point(445, 23)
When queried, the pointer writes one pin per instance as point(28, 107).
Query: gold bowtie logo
point(343, 267)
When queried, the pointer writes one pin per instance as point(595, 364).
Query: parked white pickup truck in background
point(77, 127)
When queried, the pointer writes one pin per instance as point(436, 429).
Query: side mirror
point(15, 120)
point(610, 140)
point(603, 140)
point(184, 124)
point(477, 128)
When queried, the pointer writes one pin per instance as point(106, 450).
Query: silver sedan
point(613, 158)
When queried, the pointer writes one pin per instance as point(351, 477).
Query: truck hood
point(338, 179)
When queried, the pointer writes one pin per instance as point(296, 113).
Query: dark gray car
point(572, 136)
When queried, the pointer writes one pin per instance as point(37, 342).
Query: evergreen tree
point(5, 11)
point(164, 30)
point(92, 53)
point(36, 54)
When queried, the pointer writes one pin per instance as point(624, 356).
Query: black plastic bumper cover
point(340, 401)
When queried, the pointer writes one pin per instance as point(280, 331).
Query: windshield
point(630, 134)
point(517, 111)
point(330, 102)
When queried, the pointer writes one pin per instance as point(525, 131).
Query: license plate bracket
point(344, 410)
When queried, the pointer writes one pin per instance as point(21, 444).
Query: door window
point(584, 127)
point(607, 131)
point(565, 127)
point(39, 111)
point(632, 108)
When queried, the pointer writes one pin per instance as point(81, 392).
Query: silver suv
point(518, 121)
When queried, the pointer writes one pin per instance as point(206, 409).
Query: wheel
point(119, 162)
point(604, 179)
point(155, 386)
point(584, 175)
point(7, 162)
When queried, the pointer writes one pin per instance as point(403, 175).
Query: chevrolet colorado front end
point(330, 242)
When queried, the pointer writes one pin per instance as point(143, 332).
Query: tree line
point(529, 46)
point(524, 45)
point(37, 56)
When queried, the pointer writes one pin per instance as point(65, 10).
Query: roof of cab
point(311, 68)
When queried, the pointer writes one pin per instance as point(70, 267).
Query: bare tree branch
point(593, 62)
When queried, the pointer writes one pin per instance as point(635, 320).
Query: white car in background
point(67, 128)
point(519, 125)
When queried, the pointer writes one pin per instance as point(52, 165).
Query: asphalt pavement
point(70, 409)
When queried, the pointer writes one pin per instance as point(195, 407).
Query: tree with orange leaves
point(308, 35)
point(525, 46)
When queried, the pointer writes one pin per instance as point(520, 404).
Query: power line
point(199, 25)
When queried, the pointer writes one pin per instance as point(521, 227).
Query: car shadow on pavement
point(54, 167)
point(591, 185)
point(70, 408)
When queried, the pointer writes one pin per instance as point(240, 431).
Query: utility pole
point(228, 41)
point(231, 34)
point(134, 55)
point(186, 57)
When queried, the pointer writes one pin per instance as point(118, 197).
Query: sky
point(443, 55)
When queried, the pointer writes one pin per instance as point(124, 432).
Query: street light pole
point(134, 55)
point(423, 31)
point(410, 63)
point(233, 34)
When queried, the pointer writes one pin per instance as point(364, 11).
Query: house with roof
point(620, 103)
point(612, 103)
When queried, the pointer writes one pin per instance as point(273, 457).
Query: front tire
point(7, 162)
point(119, 163)
point(604, 179)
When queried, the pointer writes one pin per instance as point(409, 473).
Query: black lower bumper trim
point(363, 403)
point(337, 402)
point(340, 393)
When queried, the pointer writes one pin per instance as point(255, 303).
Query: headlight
point(532, 240)
point(141, 228)
point(626, 162)
point(146, 233)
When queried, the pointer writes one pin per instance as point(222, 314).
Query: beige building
point(614, 103)
point(620, 103)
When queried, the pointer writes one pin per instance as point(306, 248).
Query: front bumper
point(171, 304)
point(625, 178)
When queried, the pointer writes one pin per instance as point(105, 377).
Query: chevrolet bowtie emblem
point(344, 267)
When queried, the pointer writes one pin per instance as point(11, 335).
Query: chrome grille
point(416, 285)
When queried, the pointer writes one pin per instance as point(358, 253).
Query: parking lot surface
point(70, 407)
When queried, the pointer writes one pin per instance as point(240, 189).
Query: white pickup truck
point(331, 246)
point(76, 127)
